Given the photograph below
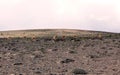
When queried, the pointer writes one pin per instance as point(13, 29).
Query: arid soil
point(59, 52)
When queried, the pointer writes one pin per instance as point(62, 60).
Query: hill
point(59, 52)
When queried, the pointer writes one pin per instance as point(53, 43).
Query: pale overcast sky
point(100, 15)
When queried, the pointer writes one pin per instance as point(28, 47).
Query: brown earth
point(59, 52)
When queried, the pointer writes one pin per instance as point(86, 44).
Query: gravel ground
point(68, 56)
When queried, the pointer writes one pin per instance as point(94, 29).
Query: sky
point(99, 15)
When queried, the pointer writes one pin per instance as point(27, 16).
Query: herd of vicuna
point(62, 38)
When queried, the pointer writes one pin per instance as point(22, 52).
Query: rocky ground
point(68, 55)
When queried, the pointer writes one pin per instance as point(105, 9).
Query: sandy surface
point(77, 53)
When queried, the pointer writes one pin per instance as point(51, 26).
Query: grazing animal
point(99, 36)
point(33, 38)
point(63, 37)
point(54, 38)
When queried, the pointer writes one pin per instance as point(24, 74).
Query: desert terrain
point(59, 52)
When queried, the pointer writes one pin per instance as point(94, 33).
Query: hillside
point(59, 52)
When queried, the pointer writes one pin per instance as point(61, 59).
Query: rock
point(55, 49)
point(67, 61)
point(38, 72)
point(72, 52)
point(18, 64)
point(12, 74)
point(79, 71)
point(14, 49)
point(53, 74)
point(93, 56)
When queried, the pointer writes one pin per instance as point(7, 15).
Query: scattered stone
point(67, 61)
point(64, 70)
point(93, 56)
point(38, 72)
point(79, 71)
point(18, 64)
point(14, 49)
point(110, 48)
point(53, 74)
point(55, 49)
point(38, 56)
point(72, 52)
point(43, 50)
point(103, 47)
